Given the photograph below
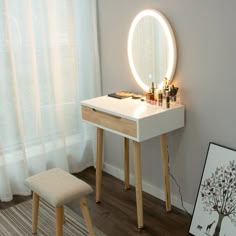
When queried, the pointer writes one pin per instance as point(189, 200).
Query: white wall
point(206, 35)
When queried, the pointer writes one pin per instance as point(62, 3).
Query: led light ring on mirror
point(171, 45)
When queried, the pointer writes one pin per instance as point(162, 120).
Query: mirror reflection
point(151, 49)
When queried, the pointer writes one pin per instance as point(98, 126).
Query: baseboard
point(148, 188)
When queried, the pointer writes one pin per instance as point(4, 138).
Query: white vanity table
point(152, 57)
point(138, 121)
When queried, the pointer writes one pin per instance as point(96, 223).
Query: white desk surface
point(129, 108)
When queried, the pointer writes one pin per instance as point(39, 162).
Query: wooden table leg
point(126, 162)
point(138, 183)
point(165, 168)
point(99, 164)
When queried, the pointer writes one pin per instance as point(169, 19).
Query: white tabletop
point(133, 109)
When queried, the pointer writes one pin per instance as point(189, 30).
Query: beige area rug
point(16, 221)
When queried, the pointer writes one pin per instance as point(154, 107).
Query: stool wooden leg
point(86, 215)
point(35, 210)
point(59, 221)
point(63, 216)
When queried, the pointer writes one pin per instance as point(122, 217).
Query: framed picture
point(215, 208)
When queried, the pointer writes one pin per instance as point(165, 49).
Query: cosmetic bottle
point(160, 97)
point(152, 94)
point(152, 87)
point(167, 99)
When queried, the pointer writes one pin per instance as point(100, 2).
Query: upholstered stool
point(58, 188)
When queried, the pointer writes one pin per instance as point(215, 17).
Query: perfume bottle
point(152, 94)
point(160, 97)
point(167, 99)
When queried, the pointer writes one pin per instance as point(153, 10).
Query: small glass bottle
point(160, 97)
point(152, 92)
point(167, 99)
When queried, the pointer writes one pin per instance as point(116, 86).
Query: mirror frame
point(171, 45)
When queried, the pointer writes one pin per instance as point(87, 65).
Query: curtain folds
point(49, 63)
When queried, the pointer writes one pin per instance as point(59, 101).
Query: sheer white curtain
point(48, 63)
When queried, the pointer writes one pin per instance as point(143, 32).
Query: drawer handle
point(104, 113)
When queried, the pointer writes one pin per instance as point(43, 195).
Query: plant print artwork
point(215, 208)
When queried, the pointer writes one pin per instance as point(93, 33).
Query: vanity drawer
point(110, 121)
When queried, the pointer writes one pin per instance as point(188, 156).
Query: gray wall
point(206, 42)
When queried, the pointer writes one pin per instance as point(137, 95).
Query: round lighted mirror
point(151, 49)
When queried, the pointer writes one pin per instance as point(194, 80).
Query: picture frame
point(214, 212)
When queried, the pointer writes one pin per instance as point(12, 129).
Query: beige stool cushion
point(57, 186)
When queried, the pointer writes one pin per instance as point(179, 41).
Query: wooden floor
point(116, 214)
